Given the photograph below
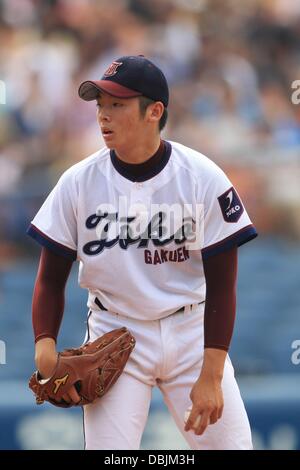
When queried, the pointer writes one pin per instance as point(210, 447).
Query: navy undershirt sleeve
point(220, 305)
point(49, 294)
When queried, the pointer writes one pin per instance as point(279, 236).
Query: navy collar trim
point(138, 172)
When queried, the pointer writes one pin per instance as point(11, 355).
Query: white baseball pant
point(168, 354)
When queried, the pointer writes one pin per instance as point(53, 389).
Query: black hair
point(144, 103)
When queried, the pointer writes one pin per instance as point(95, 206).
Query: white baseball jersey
point(130, 259)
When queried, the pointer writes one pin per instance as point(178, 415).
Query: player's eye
point(118, 105)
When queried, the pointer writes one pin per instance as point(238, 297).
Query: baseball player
point(155, 227)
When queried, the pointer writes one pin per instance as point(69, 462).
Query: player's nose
point(103, 115)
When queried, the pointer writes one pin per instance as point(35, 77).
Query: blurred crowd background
point(231, 66)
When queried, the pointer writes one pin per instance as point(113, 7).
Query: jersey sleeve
point(226, 223)
point(55, 224)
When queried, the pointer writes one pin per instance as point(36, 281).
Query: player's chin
point(109, 141)
point(109, 145)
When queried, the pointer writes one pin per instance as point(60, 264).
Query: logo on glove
point(58, 382)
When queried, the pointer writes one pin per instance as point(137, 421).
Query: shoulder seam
point(181, 165)
point(95, 158)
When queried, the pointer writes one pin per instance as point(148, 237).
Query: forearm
point(49, 295)
point(220, 305)
point(47, 310)
point(219, 317)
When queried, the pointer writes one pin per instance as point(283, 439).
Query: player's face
point(120, 121)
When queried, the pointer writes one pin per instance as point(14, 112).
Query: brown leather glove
point(92, 369)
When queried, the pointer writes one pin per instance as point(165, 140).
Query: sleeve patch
point(231, 205)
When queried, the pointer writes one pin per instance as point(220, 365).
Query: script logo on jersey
point(109, 234)
point(112, 69)
point(231, 205)
point(133, 224)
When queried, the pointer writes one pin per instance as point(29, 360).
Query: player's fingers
point(220, 411)
point(214, 416)
point(204, 422)
point(66, 398)
point(192, 419)
point(73, 395)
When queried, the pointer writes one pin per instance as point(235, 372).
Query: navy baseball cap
point(127, 77)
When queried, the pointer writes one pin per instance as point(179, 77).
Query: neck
point(141, 152)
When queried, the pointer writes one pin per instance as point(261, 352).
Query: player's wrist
point(213, 364)
point(45, 356)
point(46, 365)
point(214, 377)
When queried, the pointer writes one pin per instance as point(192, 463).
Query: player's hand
point(207, 400)
point(46, 360)
point(46, 365)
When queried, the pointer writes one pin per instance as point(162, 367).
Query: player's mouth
point(107, 133)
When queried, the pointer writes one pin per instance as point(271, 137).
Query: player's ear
point(155, 111)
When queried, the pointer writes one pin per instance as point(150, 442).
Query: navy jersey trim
point(237, 239)
point(52, 245)
point(142, 171)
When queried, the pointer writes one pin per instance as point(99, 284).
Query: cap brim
point(89, 90)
